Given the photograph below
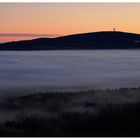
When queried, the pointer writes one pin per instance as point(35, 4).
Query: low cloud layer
point(69, 70)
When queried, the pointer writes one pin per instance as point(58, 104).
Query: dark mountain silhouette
point(94, 40)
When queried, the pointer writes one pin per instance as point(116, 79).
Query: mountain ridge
point(90, 40)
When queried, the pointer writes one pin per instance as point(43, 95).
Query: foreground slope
point(95, 113)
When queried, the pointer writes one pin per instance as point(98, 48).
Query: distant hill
point(93, 40)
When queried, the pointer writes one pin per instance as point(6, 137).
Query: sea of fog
point(34, 71)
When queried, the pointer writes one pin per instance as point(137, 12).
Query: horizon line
point(27, 35)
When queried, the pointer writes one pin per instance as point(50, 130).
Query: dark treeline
point(90, 113)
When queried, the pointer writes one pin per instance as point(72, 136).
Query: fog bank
point(68, 70)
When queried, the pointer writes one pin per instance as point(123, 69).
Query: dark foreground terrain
point(93, 113)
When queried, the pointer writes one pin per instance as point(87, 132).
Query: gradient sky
point(31, 20)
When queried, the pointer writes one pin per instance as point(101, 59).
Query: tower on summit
point(114, 29)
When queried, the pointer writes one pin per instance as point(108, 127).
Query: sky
point(20, 21)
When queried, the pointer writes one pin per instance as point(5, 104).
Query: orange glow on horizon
point(17, 38)
point(9, 39)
